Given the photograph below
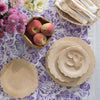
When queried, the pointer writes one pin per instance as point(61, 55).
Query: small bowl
point(29, 39)
point(72, 20)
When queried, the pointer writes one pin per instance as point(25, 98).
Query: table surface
point(97, 70)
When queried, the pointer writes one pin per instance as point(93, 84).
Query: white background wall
point(97, 70)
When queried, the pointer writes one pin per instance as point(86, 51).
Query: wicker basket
point(29, 39)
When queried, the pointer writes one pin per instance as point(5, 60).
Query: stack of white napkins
point(83, 11)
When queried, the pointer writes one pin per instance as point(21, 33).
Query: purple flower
point(13, 19)
point(85, 86)
point(21, 28)
point(1, 55)
point(23, 19)
point(13, 11)
point(18, 37)
point(62, 95)
point(51, 3)
point(82, 92)
point(1, 22)
point(10, 42)
point(68, 87)
point(3, 8)
point(87, 41)
point(10, 29)
point(42, 79)
point(75, 97)
point(42, 60)
point(66, 95)
point(1, 34)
